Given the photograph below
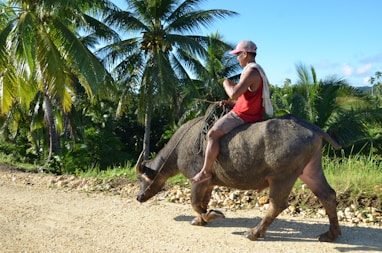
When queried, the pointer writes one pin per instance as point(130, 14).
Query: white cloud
point(366, 80)
point(364, 69)
point(347, 70)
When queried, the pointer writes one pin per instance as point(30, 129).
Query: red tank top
point(249, 106)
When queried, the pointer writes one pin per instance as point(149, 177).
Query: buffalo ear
point(149, 172)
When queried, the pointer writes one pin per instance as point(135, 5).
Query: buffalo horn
point(138, 165)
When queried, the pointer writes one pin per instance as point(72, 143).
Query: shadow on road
point(303, 231)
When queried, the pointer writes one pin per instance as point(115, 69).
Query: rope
point(210, 118)
point(168, 156)
point(213, 113)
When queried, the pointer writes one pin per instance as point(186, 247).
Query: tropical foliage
point(44, 59)
point(333, 105)
point(85, 84)
point(160, 61)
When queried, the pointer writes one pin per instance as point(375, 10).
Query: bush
point(21, 151)
point(100, 148)
point(7, 148)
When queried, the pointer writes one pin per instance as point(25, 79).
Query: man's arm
point(250, 78)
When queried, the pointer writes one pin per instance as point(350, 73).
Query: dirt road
point(34, 218)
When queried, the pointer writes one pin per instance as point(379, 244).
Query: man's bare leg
point(212, 151)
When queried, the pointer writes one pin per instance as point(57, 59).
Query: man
point(252, 100)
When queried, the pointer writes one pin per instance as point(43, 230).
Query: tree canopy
point(92, 84)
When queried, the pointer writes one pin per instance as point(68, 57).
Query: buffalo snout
point(140, 198)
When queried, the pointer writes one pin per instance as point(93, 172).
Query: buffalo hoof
point(328, 236)
point(198, 221)
point(252, 236)
point(212, 215)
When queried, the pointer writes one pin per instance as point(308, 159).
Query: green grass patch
point(127, 171)
point(178, 179)
point(360, 173)
point(9, 159)
point(357, 179)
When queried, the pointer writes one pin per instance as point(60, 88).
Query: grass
point(356, 179)
point(9, 159)
point(358, 172)
point(111, 172)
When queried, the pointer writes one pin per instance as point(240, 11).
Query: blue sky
point(339, 38)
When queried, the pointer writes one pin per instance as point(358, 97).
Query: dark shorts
point(228, 122)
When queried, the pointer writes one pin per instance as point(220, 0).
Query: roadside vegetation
point(86, 86)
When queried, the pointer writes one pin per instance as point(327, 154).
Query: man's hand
point(226, 103)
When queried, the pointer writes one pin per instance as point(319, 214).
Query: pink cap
point(245, 45)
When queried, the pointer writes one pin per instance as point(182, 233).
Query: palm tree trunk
point(146, 138)
point(54, 140)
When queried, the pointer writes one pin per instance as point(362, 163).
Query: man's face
point(241, 58)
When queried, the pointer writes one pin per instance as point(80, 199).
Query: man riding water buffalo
point(271, 153)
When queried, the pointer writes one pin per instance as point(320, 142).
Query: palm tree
point(41, 52)
point(378, 84)
point(331, 104)
point(207, 86)
point(218, 65)
point(298, 99)
point(195, 98)
point(153, 62)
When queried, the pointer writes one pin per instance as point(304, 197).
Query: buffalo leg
point(200, 197)
point(314, 178)
point(279, 191)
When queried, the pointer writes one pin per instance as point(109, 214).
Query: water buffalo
point(272, 153)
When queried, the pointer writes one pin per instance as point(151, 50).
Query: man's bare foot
point(200, 178)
